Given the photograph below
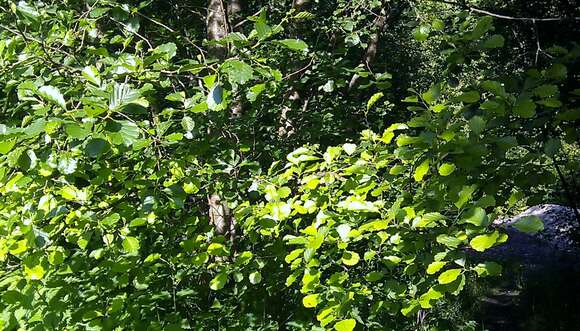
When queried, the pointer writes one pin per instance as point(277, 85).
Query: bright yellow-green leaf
point(345, 325)
point(293, 255)
point(350, 258)
point(131, 245)
point(217, 249)
point(374, 99)
point(310, 301)
point(426, 298)
point(484, 241)
point(449, 276)
point(34, 273)
point(435, 266)
point(421, 171)
point(219, 281)
point(446, 169)
point(19, 247)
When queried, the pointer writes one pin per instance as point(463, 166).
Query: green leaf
point(255, 91)
point(437, 25)
point(345, 325)
point(91, 74)
point(557, 71)
point(263, 30)
point(469, 97)
point(76, 131)
point(525, 108)
point(529, 224)
point(123, 132)
point(552, 147)
point(449, 276)
point(97, 147)
point(421, 171)
point(421, 33)
point(427, 298)
point(219, 281)
point(73, 194)
point(544, 91)
point(140, 221)
point(244, 258)
point(397, 170)
point(122, 95)
point(410, 308)
point(484, 241)
point(176, 96)
point(428, 220)
point(465, 195)
point(483, 25)
point(293, 255)
point(34, 273)
point(374, 276)
point(446, 169)
point(477, 124)
point(349, 148)
point(374, 99)
point(350, 258)
point(214, 97)
point(433, 267)
point(255, 277)
point(52, 94)
point(432, 95)
point(131, 245)
point(550, 103)
point(168, 49)
point(448, 241)
point(476, 216)
point(218, 249)
point(495, 41)
point(310, 301)
point(6, 146)
point(238, 71)
point(488, 269)
point(294, 44)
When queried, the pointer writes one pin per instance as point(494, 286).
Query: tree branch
point(506, 17)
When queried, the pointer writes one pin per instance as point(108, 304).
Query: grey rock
point(555, 245)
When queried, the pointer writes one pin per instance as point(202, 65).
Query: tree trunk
point(285, 125)
point(217, 27)
point(371, 51)
point(220, 216)
point(234, 10)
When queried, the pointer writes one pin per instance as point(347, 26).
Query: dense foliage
point(320, 165)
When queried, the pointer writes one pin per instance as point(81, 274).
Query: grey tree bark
point(220, 216)
point(371, 51)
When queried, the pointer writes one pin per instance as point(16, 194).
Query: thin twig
point(156, 22)
point(506, 17)
point(300, 70)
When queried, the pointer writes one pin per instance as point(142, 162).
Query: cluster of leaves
point(381, 228)
point(115, 129)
